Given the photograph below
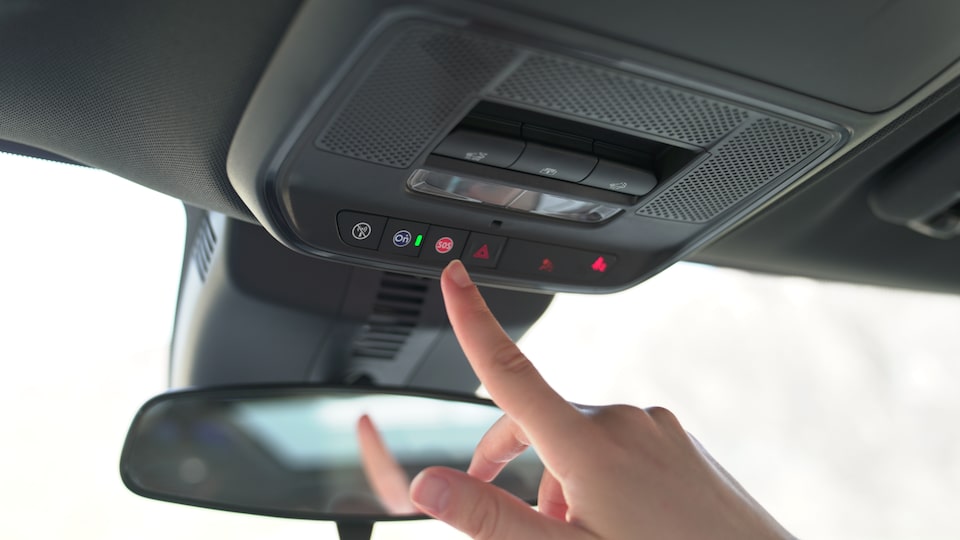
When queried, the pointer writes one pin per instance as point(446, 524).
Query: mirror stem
point(355, 530)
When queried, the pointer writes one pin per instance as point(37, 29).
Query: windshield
point(833, 404)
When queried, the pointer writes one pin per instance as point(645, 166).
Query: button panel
point(533, 143)
point(553, 162)
point(439, 245)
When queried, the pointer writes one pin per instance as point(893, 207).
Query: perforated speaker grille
point(620, 99)
point(736, 169)
point(204, 247)
point(431, 73)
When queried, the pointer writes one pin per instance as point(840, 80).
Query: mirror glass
point(321, 453)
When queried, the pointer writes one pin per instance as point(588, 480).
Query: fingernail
point(459, 274)
point(430, 491)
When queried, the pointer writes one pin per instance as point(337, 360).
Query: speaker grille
point(619, 99)
point(431, 73)
point(204, 247)
point(736, 169)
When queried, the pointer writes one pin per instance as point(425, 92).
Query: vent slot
point(204, 247)
point(393, 317)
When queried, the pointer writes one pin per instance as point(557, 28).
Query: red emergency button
point(483, 250)
point(444, 245)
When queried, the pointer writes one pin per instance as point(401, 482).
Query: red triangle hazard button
point(482, 253)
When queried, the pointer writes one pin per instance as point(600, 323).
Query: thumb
point(481, 510)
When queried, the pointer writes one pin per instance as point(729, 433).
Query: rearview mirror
point(330, 453)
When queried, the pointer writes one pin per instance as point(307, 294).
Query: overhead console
point(432, 136)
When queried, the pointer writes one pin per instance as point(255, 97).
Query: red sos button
point(444, 245)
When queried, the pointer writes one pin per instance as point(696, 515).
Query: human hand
point(611, 472)
point(386, 477)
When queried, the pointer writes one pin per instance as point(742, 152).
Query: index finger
point(512, 381)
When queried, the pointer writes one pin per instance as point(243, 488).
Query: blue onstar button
point(402, 238)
